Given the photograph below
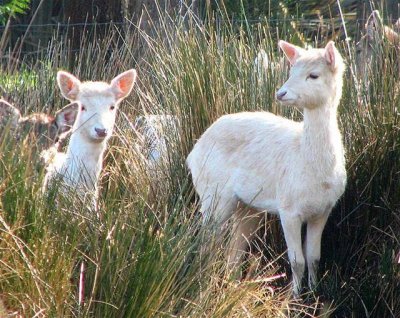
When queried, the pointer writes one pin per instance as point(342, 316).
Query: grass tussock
point(146, 253)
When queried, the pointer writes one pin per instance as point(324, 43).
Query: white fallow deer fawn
point(270, 163)
point(94, 114)
point(94, 111)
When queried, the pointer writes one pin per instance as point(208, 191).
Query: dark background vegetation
point(36, 20)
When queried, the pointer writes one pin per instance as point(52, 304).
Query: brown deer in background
point(40, 130)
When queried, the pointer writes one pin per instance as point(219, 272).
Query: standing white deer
point(295, 169)
point(94, 113)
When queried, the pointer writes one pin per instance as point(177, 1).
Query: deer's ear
point(9, 113)
point(330, 54)
point(69, 85)
point(292, 52)
point(65, 117)
point(123, 83)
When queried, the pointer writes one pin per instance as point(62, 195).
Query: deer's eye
point(83, 108)
point(112, 107)
point(313, 76)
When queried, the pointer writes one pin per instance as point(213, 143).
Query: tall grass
point(147, 254)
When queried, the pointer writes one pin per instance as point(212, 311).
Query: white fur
point(155, 134)
point(261, 62)
point(271, 163)
point(94, 119)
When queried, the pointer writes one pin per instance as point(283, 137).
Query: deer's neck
point(322, 146)
point(85, 159)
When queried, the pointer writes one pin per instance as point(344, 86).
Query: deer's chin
point(93, 137)
point(98, 139)
point(289, 101)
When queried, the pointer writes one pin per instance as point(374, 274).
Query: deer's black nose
point(279, 95)
point(101, 132)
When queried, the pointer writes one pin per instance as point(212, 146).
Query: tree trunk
point(101, 11)
point(81, 12)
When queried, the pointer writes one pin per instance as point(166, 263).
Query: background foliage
point(11, 8)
